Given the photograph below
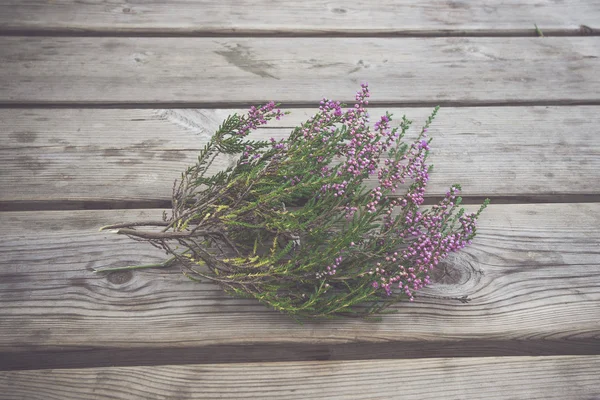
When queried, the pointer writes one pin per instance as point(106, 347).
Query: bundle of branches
point(295, 224)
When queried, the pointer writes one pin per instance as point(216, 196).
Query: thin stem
point(164, 235)
point(130, 224)
point(164, 264)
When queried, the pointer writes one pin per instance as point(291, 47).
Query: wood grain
point(245, 17)
point(60, 155)
point(532, 277)
point(218, 71)
point(501, 378)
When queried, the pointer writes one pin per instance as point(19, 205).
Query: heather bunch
point(326, 222)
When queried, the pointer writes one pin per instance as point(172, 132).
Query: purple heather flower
point(421, 232)
point(259, 116)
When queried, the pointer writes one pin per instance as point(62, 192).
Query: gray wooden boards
point(70, 156)
point(532, 281)
point(228, 71)
point(494, 378)
point(308, 17)
point(518, 124)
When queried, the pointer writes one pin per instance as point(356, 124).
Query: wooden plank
point(209, 71)
point(501, 378)
point(291, 17)
point(60, 155)
point(532, 277)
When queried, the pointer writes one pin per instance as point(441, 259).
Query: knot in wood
point(456, 274)
point(119, 277)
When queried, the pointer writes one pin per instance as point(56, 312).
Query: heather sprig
point(294, 224)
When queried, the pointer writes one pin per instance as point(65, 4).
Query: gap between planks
point(65, 205)
point(583, 30)
point(97, 356)
point(4, 104)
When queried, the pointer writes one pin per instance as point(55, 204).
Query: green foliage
point(298, 224)
point(538, 31)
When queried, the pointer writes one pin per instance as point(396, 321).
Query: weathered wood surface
point(541, 153)
point(532, 278)
point(213, 71)
point(245, 17)
point(501, 378)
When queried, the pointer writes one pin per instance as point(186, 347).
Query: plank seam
point(583, 30)
point(103, 204)
point(294, 105)
point(93, 357)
